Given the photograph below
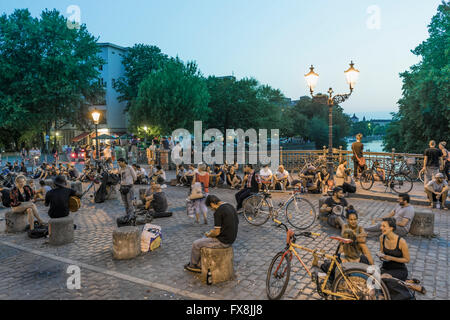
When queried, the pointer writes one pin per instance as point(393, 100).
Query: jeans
point(204, 243)
point(127, 201)
point(241, 196)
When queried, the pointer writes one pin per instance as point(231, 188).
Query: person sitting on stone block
point(403, 215)
point(42, 191)
point(437, 190)
point(58, 198)
point(156, 200)
point(22, 201)
point(222, 236)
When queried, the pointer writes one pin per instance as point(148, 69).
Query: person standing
point(128, 177)
point(446, 157)
point(107, 153)
point(432, 162)
point(203, 178)
point(223, 235)
point(358, 155)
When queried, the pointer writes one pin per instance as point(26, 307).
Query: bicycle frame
point(290, 249)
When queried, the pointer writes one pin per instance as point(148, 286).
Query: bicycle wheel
point(366, 286)
point(401, 183)
point(367, 179)
point(256, 210)
point(278, 276)
point(300, 213)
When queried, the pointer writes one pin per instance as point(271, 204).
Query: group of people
point(436, 168)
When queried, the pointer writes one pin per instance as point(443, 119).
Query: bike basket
point(411, 160)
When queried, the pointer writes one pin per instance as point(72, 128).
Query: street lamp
point(96, 118)
point(311, 78)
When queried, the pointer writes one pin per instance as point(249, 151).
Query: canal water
point(372, 146)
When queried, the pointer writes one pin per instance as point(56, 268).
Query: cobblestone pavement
point(31, 268)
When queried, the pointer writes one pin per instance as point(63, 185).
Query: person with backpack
point(128, 177)
point(359, 162)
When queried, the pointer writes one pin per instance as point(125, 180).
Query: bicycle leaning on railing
point(352, 281)
point(299, 212)
point(398, 181)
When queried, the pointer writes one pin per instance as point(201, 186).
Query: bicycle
point(299, 212)
point(398, 181)
point(353, 281)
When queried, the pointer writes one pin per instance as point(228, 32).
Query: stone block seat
point(423, 223)
point(219, 262)
point(126, 242)
point(60, 231)
point(16, 222)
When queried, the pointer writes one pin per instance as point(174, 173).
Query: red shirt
point(204, 179)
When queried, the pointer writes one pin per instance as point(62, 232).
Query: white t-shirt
point(265, 173)
point(282, 175)
point(436, 186)
point(143, 172)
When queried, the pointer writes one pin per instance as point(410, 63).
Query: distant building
point(380, 122)
point(113, 119)
point(354, 118)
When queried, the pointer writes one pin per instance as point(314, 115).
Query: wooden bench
point(126, 243)
point(217, 262)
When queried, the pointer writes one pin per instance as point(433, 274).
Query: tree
point(243, 104)
point(424, 109)
point(48, 72)
point(139, 61)
point(170, 98)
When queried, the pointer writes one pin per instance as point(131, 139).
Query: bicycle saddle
point(341, 240)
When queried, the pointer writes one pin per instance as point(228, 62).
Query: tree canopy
point(424, 109)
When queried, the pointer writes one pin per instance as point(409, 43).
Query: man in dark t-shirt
point(329, 209)
point(357, 148)
point(222, 236)
point(432, 162)
point(58, 199)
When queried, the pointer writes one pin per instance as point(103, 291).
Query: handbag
point(197, 192)
point(151, 237)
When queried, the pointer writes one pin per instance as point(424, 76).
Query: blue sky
point(274, 41)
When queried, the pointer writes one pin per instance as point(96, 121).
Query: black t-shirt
point(6, 200)
point(159, 202)
point(58, 199)
point(433, 155)
point(357, 147)
point(226, 218)
point(331, 203)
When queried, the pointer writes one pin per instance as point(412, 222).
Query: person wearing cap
point(58, 198)
point(437, 190)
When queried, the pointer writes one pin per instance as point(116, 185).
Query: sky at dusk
point(272, 41)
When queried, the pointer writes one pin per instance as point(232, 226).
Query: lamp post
point(311, 78)
point(96, 118)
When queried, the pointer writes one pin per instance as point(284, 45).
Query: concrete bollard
point(16, 222)
point(60, 231)
point(423, 223)
point(126, 243)
point(218, 263)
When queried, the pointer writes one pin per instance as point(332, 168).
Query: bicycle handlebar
point(307, 234)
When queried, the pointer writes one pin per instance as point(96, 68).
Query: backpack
point(398, 290)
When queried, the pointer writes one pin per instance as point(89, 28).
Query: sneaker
point(192, 268)
point(163, 186)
